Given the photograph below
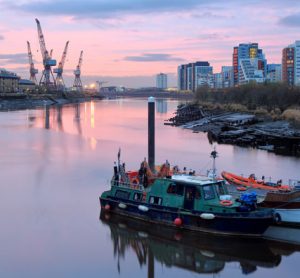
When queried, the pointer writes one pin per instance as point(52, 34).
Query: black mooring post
point(151, 133)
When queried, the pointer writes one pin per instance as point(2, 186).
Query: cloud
point(213, 36)
point(1, 37)
point(103, 8)
point(18, 58)
point(153, 57)
point(292, 20)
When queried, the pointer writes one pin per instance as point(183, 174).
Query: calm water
point(54, 164)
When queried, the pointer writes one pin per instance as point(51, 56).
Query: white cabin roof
point(201, 180)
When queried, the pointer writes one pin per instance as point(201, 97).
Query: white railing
point(130, 185)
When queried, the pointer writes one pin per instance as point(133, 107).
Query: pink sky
point(126, 42)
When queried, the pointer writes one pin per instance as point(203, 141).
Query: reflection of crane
point(100, 83)
point(48, 62)
point(32, 70)
point(59, 79)
point(77, 82)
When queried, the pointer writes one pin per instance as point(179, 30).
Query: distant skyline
point(127, 42)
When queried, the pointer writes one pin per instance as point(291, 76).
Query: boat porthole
point(277, 218)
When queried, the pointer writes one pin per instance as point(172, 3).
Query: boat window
point(155, 200)
point(175, 188)
point(137, 196)
point(197, 194)
point(208, 191)
point(220, 189)
point(122, 194)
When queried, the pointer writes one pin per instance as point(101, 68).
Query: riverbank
point(20, 102)
point(239, 128)
point(150, 93)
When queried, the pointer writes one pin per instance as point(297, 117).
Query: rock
point(239, 129)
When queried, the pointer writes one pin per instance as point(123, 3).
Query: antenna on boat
point(119, 156)
point(214, 155)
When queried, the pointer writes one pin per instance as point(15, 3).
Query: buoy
point(178, 222)
point(122, 206)
point(143, 208)
point(208, 216)
point(107, 207)
point(226, 203)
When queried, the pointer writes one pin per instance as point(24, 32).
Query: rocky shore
point(243, 129)
point(19, 102)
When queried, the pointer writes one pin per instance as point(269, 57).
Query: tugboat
point(183, 201)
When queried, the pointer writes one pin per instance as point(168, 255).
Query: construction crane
point(59, 79)
point(77, 82)
point(32, 70)
point(48, 62)
point(100, 83)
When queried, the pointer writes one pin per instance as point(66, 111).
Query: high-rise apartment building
point(194, 75)
point(288, 61)
point(274, 73)
point(296, 46)
point(162, 81)
point(218, 84)
point(291, 58)
point(227, 76)
point(247, 51)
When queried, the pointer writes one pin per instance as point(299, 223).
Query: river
point(56, 161)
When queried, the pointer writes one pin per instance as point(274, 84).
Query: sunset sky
point(126, 42)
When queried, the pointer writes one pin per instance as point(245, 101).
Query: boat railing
point(130, 185)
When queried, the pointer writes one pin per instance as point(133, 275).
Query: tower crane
point(77, 82)
point(59, 79)
point(32, 70)
point(48, 62)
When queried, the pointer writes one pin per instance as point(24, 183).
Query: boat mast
point(214, 155)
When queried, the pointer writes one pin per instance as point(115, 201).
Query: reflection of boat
point(196, 252)
point(253, 182)
point(184, 201)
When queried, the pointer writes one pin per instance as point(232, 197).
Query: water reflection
point(161, 106)
point(77, 118)
point(59, 109)
point(199, 253)
point(47, 117)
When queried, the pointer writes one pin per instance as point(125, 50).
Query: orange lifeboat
point(253, 182)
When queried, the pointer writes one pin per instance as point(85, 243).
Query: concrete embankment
point(243, 129)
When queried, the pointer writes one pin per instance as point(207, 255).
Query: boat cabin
point(186, 192)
